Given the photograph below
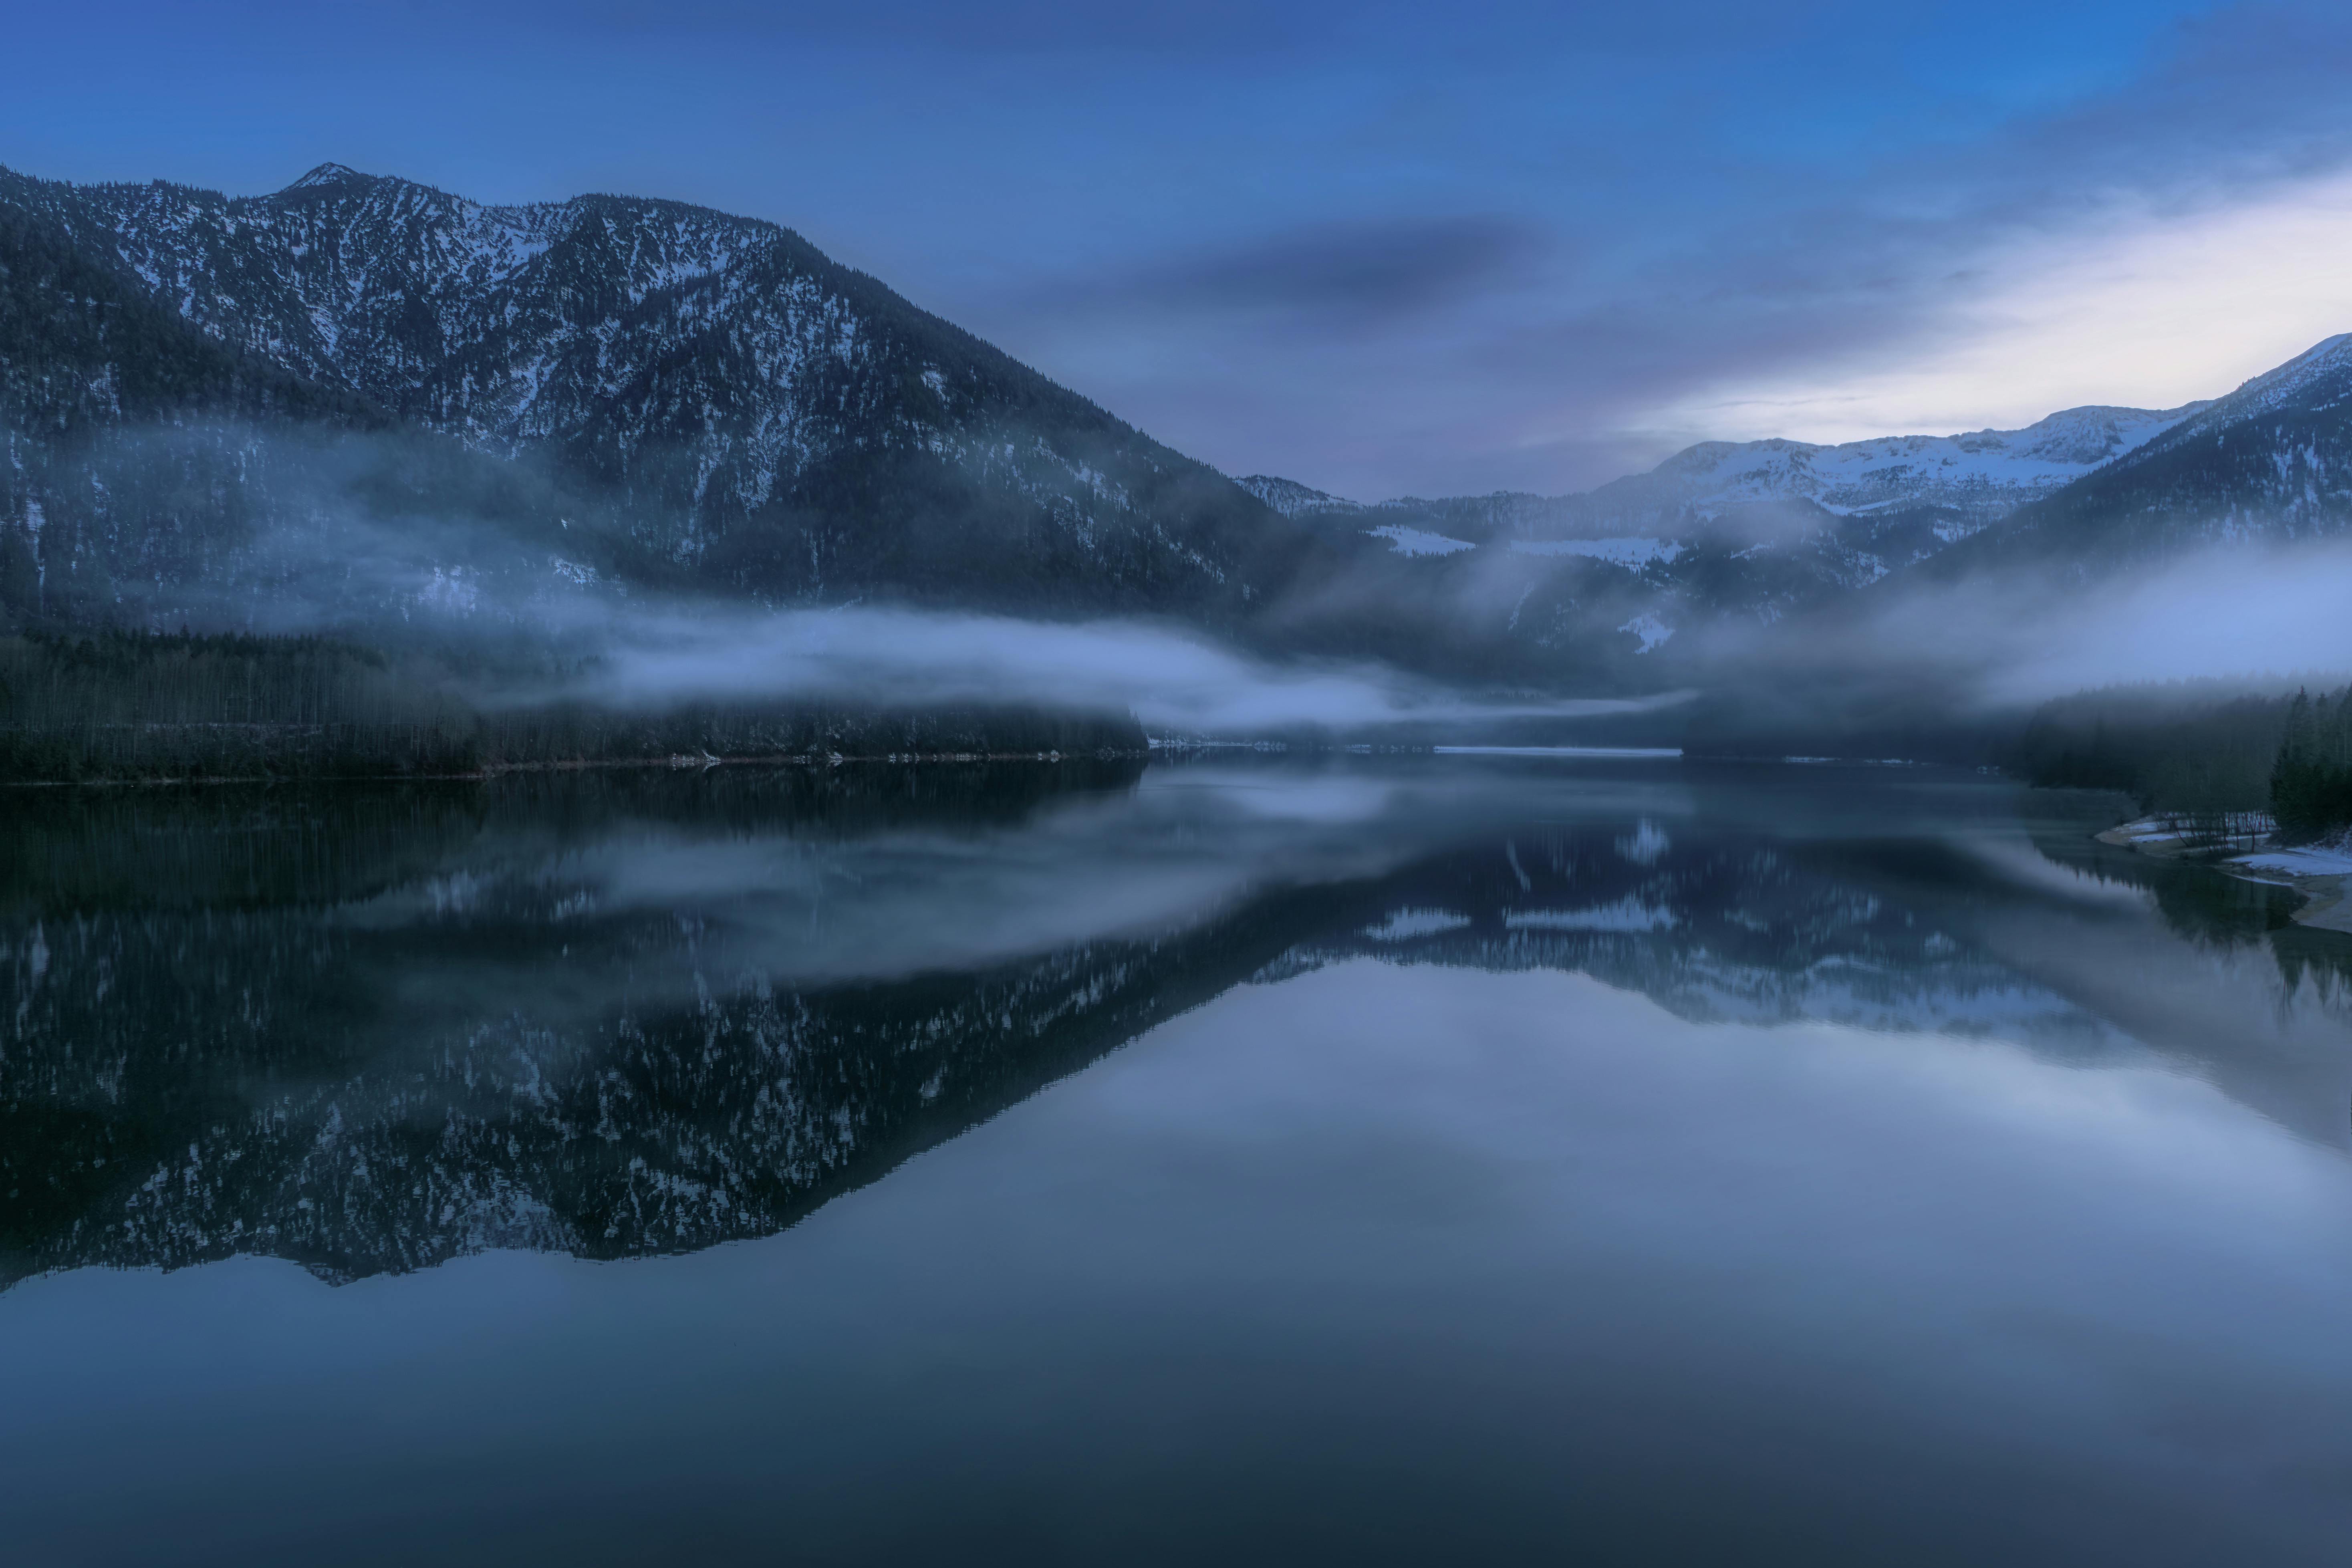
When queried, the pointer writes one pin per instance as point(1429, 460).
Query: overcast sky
point(1380, 248)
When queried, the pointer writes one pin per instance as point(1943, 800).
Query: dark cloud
point(1349, 275)
point(1547, 391)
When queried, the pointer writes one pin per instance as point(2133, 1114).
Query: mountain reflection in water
point(623, 1013)
point(1512, 1159)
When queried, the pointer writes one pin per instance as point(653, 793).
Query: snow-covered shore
point(2322, 872)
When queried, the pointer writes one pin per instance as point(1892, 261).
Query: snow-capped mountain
point(2271, 461)
point(765, 418)
point(1772, 528)
point(1730, 490)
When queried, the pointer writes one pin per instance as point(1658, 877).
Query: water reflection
point(623, 1014)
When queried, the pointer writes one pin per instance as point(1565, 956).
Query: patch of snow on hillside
point(1979, 472)
point(1649, 629)
point(1416, 542)
point(1627, 914)
point(1402, 924)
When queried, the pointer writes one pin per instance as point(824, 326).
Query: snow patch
point(1402, 924)
point(1415, 541)
point(1627, 914)
point(1649, 629)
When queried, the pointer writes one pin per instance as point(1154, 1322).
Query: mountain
point(1754, 529)
point(362, 402)
point(1716, 487)
point(747, 413)
point(1770, 529)
point(2273, 460)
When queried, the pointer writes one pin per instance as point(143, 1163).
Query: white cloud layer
point(1172, 680)
point(2141, 307)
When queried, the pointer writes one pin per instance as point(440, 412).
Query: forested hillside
point(737, 406)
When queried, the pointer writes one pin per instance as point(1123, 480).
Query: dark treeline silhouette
point(2311, 781)
point(136, 705)
point(2199, 749)
point(2203, 751)
point(129, 705)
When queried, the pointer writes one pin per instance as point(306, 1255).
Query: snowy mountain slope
point(1980, 476)
point(771, 420)
point(1757, 530)
point(2273, 460)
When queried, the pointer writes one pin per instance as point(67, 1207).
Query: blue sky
point(1381, 248)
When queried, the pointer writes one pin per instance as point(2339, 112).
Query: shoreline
point(2323, 876)
point(677, 762)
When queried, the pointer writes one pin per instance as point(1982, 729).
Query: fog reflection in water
point(1643, 1162)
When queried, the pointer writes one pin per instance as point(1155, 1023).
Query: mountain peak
point(330, 174)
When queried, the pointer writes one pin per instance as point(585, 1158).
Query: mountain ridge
point(776, 423)
point(1986, 473)
point(364, 396)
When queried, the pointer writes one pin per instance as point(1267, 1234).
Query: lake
point(1356, 1158)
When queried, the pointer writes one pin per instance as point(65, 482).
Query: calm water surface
point(1448, 1158)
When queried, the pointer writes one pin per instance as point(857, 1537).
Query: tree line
point(137, 705)
point(2203, 751)
point(2311, 783)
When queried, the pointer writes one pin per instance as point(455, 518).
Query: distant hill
point(1766, 531)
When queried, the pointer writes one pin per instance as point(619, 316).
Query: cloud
point(1953, 653)
point(1171, 681)
point(2146, 236)
point(2226, 613)
point(1347, 275)
point(2150, 308)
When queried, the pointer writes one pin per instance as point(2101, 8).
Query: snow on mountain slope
point(1774, 492)
point(1982, 474)
point(2273, 460)
point(776, 419)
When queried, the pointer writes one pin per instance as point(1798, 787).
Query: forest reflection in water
point(632, 1012)
point(1514, 1086)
